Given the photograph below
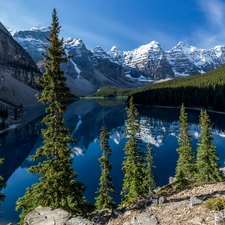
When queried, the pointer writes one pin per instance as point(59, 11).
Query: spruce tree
point(2, 185)
point(185, 168)
point(151, 184)
point(57, 186)
point(134, 182)
point(207, 165)
point(104, 200)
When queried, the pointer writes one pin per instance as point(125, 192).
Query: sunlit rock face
point(182, 60)
point(150, 60)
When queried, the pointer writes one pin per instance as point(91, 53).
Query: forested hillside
point(204, 90)
point(207, 90)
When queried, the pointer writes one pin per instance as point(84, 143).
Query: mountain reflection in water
point(158, 126)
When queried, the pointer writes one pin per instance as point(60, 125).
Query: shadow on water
point(16, 145)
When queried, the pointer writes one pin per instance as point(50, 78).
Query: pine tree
point(2, 185)
point(207, 165)
point(151, 184)
point(134, 182)
point(104, 200)
point(185, 168)
point(57, 186)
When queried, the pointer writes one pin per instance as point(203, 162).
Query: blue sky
point(124, 23)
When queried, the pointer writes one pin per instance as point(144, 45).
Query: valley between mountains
point(89, 70)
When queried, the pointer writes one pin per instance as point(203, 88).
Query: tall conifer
point(207, 165)
point(2, 185)
point(151, 184)
point(57, 186)
point(185, 168)
point(134, 182)
point(104, 200)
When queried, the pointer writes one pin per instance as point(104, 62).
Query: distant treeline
point(203, 97)
point(204, 91)
point(4, 113)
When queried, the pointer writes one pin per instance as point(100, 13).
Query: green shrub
point(215, 203)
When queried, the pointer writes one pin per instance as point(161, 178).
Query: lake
point(158, 126)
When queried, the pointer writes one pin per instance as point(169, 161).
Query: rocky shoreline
point(184, 207)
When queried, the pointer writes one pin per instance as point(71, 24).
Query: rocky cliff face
point(18, 71)
point(182, 60)
point(149, 59)
point(188, 60)
point(183, 207)
point(85, 72)
point(88, 70)
point(14, 58)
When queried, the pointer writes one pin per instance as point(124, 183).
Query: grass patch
point(216, 204)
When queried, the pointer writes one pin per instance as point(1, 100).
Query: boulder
point(47, 216)
point(194, 201)
point(79, 221)
point(145, 218)
point(219, 218)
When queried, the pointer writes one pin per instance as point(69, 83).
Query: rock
point(194, 201)
point(145, 218)
point(79, 221)
point(127, 213)
point(219, 218)
point(157, 200)
point(103, 216)
point(117, 212)
point(47, 216)
point(161, 200)
point(196, 220)
point(172, 180)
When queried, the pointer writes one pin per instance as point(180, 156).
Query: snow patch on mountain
point(40, 27)
point(147, 62)
point(75, 65)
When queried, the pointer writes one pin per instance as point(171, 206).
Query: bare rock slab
point(47, 216)
point(220, 218)
point(79, 221)
point(145, 218)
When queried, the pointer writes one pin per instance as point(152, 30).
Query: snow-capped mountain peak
point(74, 42)
point(100, 53)
point(113, 49)
point(181, 46)
point(98, 49)
point(40, 27)
point(152, 46)
point(148, 61)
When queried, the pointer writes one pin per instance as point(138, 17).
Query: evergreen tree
point(57, 186)
point(2, 185)
point(104, 200)
point(185, 168)
point(151, 184)
point(134, 182)
point(207, 165)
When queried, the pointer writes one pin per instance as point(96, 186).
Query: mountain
point(182, 60)
point(188, 60)
point(150, 60)
point(18, 72)
point(85, 71)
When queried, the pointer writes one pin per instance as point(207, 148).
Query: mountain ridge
point(89, 70)
point(18, 72)
point(85, 72)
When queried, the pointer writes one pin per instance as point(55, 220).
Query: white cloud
point(213, 33)
point(214, 11)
